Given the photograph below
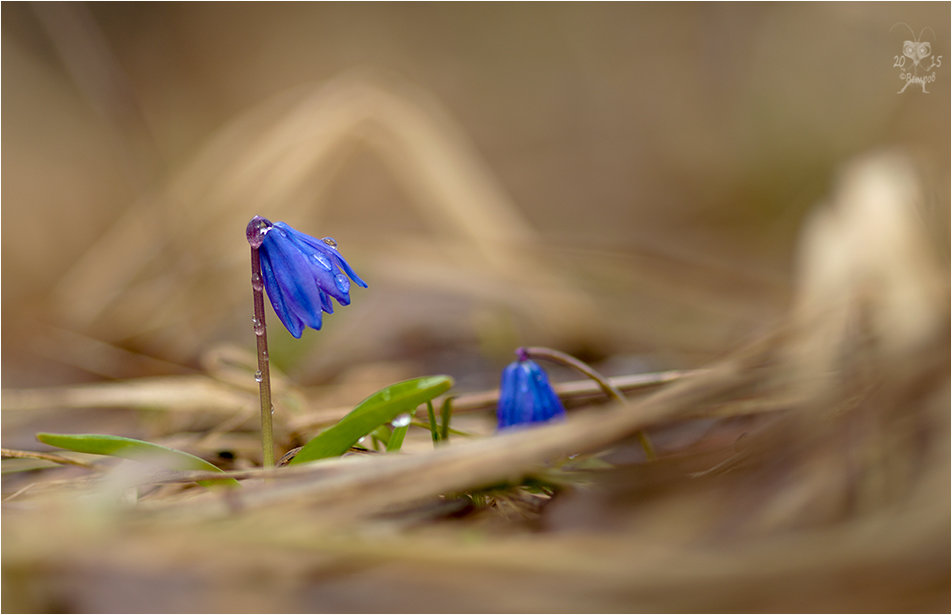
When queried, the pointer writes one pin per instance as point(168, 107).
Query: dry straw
point(806, 471)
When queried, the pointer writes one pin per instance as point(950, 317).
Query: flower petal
point(347, 269)
point(294, 278)
point(291, 322)
point(526, 397)
point(508, 396)
point(319, 246)
point(527, 393)
point(549, 404)
point(326, 304)
point(320, 258)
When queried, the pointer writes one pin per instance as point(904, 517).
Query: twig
point(579, 389)
point(9, 453)
point(576, 390)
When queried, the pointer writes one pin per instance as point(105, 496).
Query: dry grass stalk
point(836, 500)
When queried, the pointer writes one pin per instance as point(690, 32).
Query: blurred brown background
point(645, 186)
point(607, 177)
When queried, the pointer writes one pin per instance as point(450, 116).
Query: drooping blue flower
point(525, 395)
point(300, 273)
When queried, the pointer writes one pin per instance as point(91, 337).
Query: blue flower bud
point(526, 397)
point(301, 273)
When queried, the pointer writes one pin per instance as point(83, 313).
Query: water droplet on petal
point(401, 421)
point(256, 230)
point(330, 241)
point(259, 328)
point(259, 377)
point(343, 284)
point(256, 282)
point(321, 260)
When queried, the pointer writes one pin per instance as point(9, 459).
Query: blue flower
point(525, 395)
point(300, 273)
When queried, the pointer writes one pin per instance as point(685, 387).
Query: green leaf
point(378, 409)
point(129, 448)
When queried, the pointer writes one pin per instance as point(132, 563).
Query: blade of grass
point(434, 430)
point(455, 432)
point(445, 411)
point(400, 426)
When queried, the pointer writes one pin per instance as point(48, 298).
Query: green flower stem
point(609, 389)
point(263, 376)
